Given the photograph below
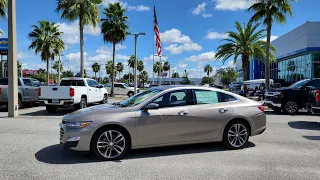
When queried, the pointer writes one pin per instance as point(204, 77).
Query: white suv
point(121, 89)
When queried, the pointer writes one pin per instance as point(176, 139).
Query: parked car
point(77, 92)
point(121, 89)
point(293, 98)
point(162, 116)
point(27, 91)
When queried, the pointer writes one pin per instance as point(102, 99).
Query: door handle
point(26, 88)
point(223, 110)
point(183, 113)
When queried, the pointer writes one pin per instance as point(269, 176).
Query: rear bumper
point(258, 124)
point(62, 102)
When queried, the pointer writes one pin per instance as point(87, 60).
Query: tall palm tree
point(114, 29)
point(208, 69)
point(269, 11)
point(45, 39)
point(157, 68)
point(166, 67)
point(110, 69)
point(120, 68)
point(3, 7)
point(144, 77)
point(56, 66)
point(247, 43)
point(140, 66)
point(86, 11)
point(131, 62)
point(95, 69)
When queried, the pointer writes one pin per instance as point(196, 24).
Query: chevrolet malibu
point(163, 116)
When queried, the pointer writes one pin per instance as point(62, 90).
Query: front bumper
point(75, 139)
point(272, 101)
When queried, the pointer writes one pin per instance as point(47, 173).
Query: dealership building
point(298, 55)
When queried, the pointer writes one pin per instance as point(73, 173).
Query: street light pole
point(12, 61)
point(135, 58)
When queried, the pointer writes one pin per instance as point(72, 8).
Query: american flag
point(156, 30)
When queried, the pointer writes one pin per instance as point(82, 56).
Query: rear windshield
point(72, 83)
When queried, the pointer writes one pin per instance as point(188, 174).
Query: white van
point(256, 84)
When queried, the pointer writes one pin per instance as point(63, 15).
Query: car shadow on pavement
point(60, 112)
point(56, 154)
point(282, 113)
point(313, 138)
point(304, 125)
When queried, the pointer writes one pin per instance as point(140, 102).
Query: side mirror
point(308, 88)
point(151, 106)
point(100, 86)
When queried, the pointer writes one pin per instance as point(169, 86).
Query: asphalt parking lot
point(288, 149)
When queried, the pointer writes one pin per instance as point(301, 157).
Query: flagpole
point(153, 50)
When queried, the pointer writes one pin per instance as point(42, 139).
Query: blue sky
point(191, 31)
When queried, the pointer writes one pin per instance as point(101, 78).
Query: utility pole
point(12, 61)
point(135, 58)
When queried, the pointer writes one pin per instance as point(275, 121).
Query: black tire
point(130, 93)
point(291, 107)
point(20, 105)
point(82, 104)
point(105, 99)
point(114, 155)
point(240, 140)
point(51, 109)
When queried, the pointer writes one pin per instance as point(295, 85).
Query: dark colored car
point(293, 98)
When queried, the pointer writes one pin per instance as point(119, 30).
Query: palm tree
point(144, 77)
point(247, 43)
point(109, 70)
point(86, 11)
point(3, 7)
point(131, 62)
point(114, 29)
point(166, 67)
point(175, 75)
point(95, 69)
point(268, 11)
point(157, 68)
point(45, 39)
point(120, 68)
point(56, 66)
point(208, 69)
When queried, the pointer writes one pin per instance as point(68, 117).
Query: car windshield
point(300, 83)
point(137, 99)
point(125, 85)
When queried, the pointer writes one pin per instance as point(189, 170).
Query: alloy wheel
point(83, 104)
point(111, 144)
point(237, 135)
point(291, 107)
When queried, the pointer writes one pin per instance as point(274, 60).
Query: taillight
point(71, 92)
point(318, 96)
point(0, 91)
point(39, 91)
point(261, 108)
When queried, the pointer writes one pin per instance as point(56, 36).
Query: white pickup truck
point(77, 92)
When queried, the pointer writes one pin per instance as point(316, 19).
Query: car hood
point(91, 111)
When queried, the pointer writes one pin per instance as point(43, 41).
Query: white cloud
point(230, 64)
point(174, 36)
point(76, 56)
point(182, 64)
point(103, 58)
point(156, 58)
point(127, 6)
point(216, 35)
point(108, 50)
point(176, 49)
point(206, 15)
point(271, 38)
point(198, 72)
point(71, 33)
point(2, 34)
point(200, 8)
point(232, 5)
point(203, 57)
point(22, 55)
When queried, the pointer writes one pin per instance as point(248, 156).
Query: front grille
point(61, 133)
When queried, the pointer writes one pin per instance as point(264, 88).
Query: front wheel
point(105, 99)
point(110, 143)
point(291, 107)
point(236, 135)
point(130, 93)
point(82, 104)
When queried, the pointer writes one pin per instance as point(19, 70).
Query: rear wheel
point(20, 105)
point(82, 104)
point(110, 143)
point(291, 107)
point(236, 135)
point(51, 109)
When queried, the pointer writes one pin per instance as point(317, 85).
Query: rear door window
point(27, 82)
point(72, 83)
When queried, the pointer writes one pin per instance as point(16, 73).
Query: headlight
point(75, 125)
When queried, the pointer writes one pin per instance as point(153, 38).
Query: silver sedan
point(163, 116)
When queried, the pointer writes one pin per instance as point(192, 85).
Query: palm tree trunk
point(112, 78)
point(245, 63)
point(208, 78)
point(119, 75)
point(48, 74)
point(267, 62)
point(81, 43)
point(95, 75)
